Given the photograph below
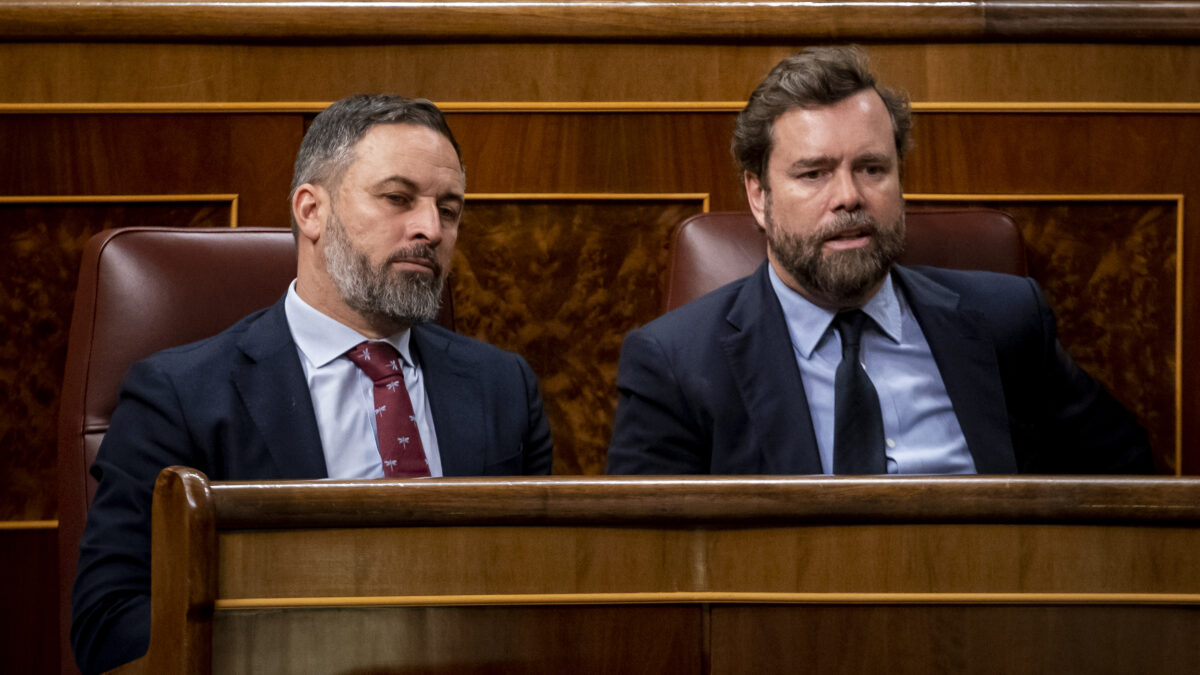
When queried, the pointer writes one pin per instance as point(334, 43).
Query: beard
point(403, 296)
point(843, 277)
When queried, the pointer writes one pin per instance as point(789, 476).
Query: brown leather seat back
point(145, 289)
point(141, 290)
point(710, 250)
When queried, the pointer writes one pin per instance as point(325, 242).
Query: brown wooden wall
point(588, 133)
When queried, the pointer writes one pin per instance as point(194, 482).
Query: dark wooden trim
point(184, 549)
point(1054, 20)
point(600, 20)
point(586, 107)
point(582, 500)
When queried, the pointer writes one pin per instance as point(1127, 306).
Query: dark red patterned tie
point(399, 441)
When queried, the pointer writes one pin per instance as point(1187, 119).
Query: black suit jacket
point(236, 406)
point(713, 387)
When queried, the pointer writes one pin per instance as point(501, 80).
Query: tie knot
point(379, 360)
point(849, 325)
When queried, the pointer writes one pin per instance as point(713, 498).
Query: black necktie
point(858, 424)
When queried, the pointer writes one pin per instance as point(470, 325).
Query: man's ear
point(756, 194)
point(309, 204)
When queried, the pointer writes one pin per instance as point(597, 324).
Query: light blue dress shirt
point(343, 396)
point(922, 432)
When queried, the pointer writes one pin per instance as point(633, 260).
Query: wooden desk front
point(676, 575)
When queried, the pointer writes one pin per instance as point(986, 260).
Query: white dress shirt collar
point(322, 338)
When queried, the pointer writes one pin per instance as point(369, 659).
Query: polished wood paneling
point(625, 500)
point(461, 640)
point(348, 574)
point(490, 560)
point(249, 156)
point(42, 239)
point(745, 20)
point(980, 640)
point(560, 281)
point(82, 72)
point(819, 559)
point(599, 152)
point(989, 558)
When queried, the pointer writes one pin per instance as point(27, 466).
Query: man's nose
point(846, 195)
point(425, 222)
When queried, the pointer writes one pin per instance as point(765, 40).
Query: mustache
point(422, 252)
point(848, 222)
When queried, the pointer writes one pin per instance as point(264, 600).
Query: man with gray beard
point(833, 359)
point(344, 377)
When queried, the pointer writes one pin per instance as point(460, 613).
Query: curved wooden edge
point(183, 584)
point(789, 21)
point(713, 500)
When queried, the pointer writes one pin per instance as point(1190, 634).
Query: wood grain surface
point(704, 593)
point(931, 71)
point(745, 20)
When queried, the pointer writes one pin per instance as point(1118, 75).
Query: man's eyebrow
point(409, 184)
point(873, 158)
point(406, 182)
point(812, 162)
point(806, 163)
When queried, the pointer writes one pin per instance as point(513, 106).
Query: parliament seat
point(143, 289)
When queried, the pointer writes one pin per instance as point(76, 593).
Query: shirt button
point(891, 443)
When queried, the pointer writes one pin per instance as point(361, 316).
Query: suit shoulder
point(1013, 309)
point(704, 310)
point(977, 285)
point(464, 345)
point(204, 353)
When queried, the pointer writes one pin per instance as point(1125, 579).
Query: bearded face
point(403, 296)
point(842, 276)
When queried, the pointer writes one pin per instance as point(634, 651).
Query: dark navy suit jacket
point(236, 406)
point(713, 387)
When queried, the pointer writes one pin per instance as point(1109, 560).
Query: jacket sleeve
point(538, 445)
point(1078, 426)
point(655, 431)
point(111, 599)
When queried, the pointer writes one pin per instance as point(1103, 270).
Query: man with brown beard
point(344, 377)
point(832, 359)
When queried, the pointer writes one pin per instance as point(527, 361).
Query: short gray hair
point(815, 76)
point(328, 146)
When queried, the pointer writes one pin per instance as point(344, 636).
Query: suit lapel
point(271, 383)
point(456, 400)
point(764, 366)
point(967, 362)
